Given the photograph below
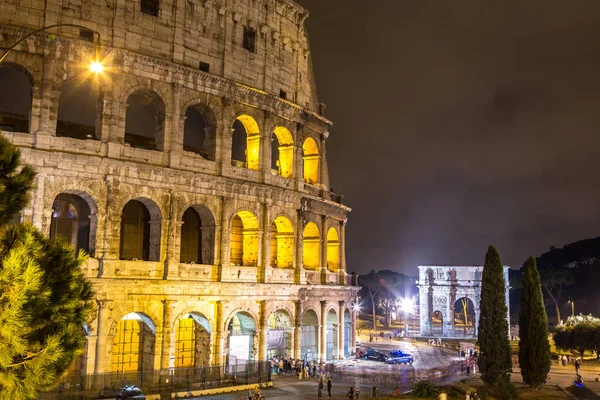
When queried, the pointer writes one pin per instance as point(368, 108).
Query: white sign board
point(239, 347)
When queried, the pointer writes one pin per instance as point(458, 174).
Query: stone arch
point(16, 110)
point(197, 235)
point(75, 218)
point(310, 161)
point(437, 323)
point(464, 317)
point(311, 243)
point(244, 239)
point(200, 131)
point(241, 337)
point(331, 336)
point(133, 344)
point(140, 230)
point(279, 335)
point(145, 119)
point(245, 143)
point(333, 250)
point(192, 341)
point(310, 331)
point(80, 108)
point(282, 243)
point(282, 152)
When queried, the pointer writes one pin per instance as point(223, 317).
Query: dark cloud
point(460, 124)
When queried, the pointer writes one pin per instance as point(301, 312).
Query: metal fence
point(163, 382)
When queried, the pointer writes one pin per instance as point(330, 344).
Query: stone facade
point(246, 276)
point(443, 290)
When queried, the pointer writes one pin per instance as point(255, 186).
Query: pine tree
point(534, 347)
point(494, 360)
point(44, 296)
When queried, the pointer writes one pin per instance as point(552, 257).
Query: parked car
point(373, 354)
point(400, 357)
point(131, 392)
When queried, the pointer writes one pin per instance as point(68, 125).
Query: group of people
point(302, 368)
point(434, 342)
point(470, 359)
point(321, 386)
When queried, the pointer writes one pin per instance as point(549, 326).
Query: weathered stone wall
point(160, 55)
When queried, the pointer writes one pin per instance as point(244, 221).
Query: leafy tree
point(494, 361)
point(382, 288)
point(44, 296)
point(534, 347)
point(553, 281)
point(579, 333)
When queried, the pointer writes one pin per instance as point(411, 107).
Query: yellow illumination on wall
point(311, 161)
point(286, 151)
point(312, 247)
point(126, 349)
point(333, 250)
point(244, 240)
point(282, 243)
point(192, 345)
point(252, 141)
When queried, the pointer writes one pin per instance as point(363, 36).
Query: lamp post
point(95, 66)
point(572, 307)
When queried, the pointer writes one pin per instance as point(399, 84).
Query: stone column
point(323, 267)
point(265, 244)
point(42, 136)
point(102, 355)
point(341, 332)
point(174, 138)
point(224, 137)
point(323, 170)
point(221, 330)
point(168, 336)
point(265, 147)
point(298, 329)
point(353, 331)
point(323, 335)
point(263, 331)
point(38, 209)
point(343, 272)
point(225, 239)
point(298, 256)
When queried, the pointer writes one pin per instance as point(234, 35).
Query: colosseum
point(192, 170)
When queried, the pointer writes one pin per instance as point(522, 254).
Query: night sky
point(460, 124)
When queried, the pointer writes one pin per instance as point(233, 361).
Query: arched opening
point(150, 7)
point(279, 336)
point(282, 152)
point(200, 131)
point(282, 243)
point(140, 231)
point(464, 318)
point(192, 341)
point(437, 323)
point(79, 110)
point(331, 336)
point(145, 120)
point(311, 247)
point(333, 250)
point(240, 340)
point(15, 110)
point(310, 161)
point(347, 333)
point(133, 345)
point(310, 325)
point(73, 220)
point(244, 240)
point(245, 145)
point(197, 236)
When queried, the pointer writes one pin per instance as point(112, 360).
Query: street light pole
point(95, 66)
point(572, 308)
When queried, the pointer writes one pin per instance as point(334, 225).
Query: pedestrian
point(375, 393)
point(397, 391)
point(564, 360)
point(357, 392)
point(577, 365)
point(351, 393)
point(320, 389)
point(329, 388)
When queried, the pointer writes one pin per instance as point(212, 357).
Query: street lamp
point(95, 65)
point(572, 307)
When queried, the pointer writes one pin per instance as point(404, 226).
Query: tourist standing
point(351, 393)
point(320, 389)
point(577, 365)
point(329, 388)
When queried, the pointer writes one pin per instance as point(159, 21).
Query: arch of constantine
point(449, 298)
point(193, 171)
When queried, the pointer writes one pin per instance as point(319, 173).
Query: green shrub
point(424, 388)
point(507, 390)
point(483, 395)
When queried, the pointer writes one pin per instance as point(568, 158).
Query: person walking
point(329, 388)
point(351, 393)
point(577, 366)
point(320, 389)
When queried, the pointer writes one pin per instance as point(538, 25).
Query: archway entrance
point(331, 335)
point(347, 333)
point(279, 337)
point(133, 344)
point(464, 318)
point(240, 340)
point(308, 348)
point(192, 343)
point(437, 323)
point(72, 220)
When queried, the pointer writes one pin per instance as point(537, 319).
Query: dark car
point(131, 392)
point(400, 357)
point(372, 354)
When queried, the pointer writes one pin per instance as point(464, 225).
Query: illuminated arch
point(74, 219)
point(331, 344)
point(244, 239)
point(282, 152)
point(464, 318)
point(140, 230)
point(282, 243)
point(246, 142)
point(192, 341)
point(241, 330)
point(333, 250)
point(311, 247)
point(309, 338)
point(133, 344)
point(279, 336)
point(197, 239)
point(310, 161)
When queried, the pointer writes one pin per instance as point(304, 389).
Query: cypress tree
point(534, 347)
point(494, 361)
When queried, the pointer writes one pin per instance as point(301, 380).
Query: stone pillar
point(343, 272)
point(323, 170)
point(265, 244)
point(299, 277)
point(341, 332)
point(225, 239)
point(42, 138)
point(224, 137)
point(298, 329)
point(102, 355)
point(38, 211)
point(221, 330)
point(323, 331)
point(263, 331)
point(323, 266)
point(353, 331)
point(168, 336)
point(298, 166)
point(265, 147)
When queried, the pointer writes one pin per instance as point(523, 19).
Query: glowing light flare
point(407, 305)
point(96, 67)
